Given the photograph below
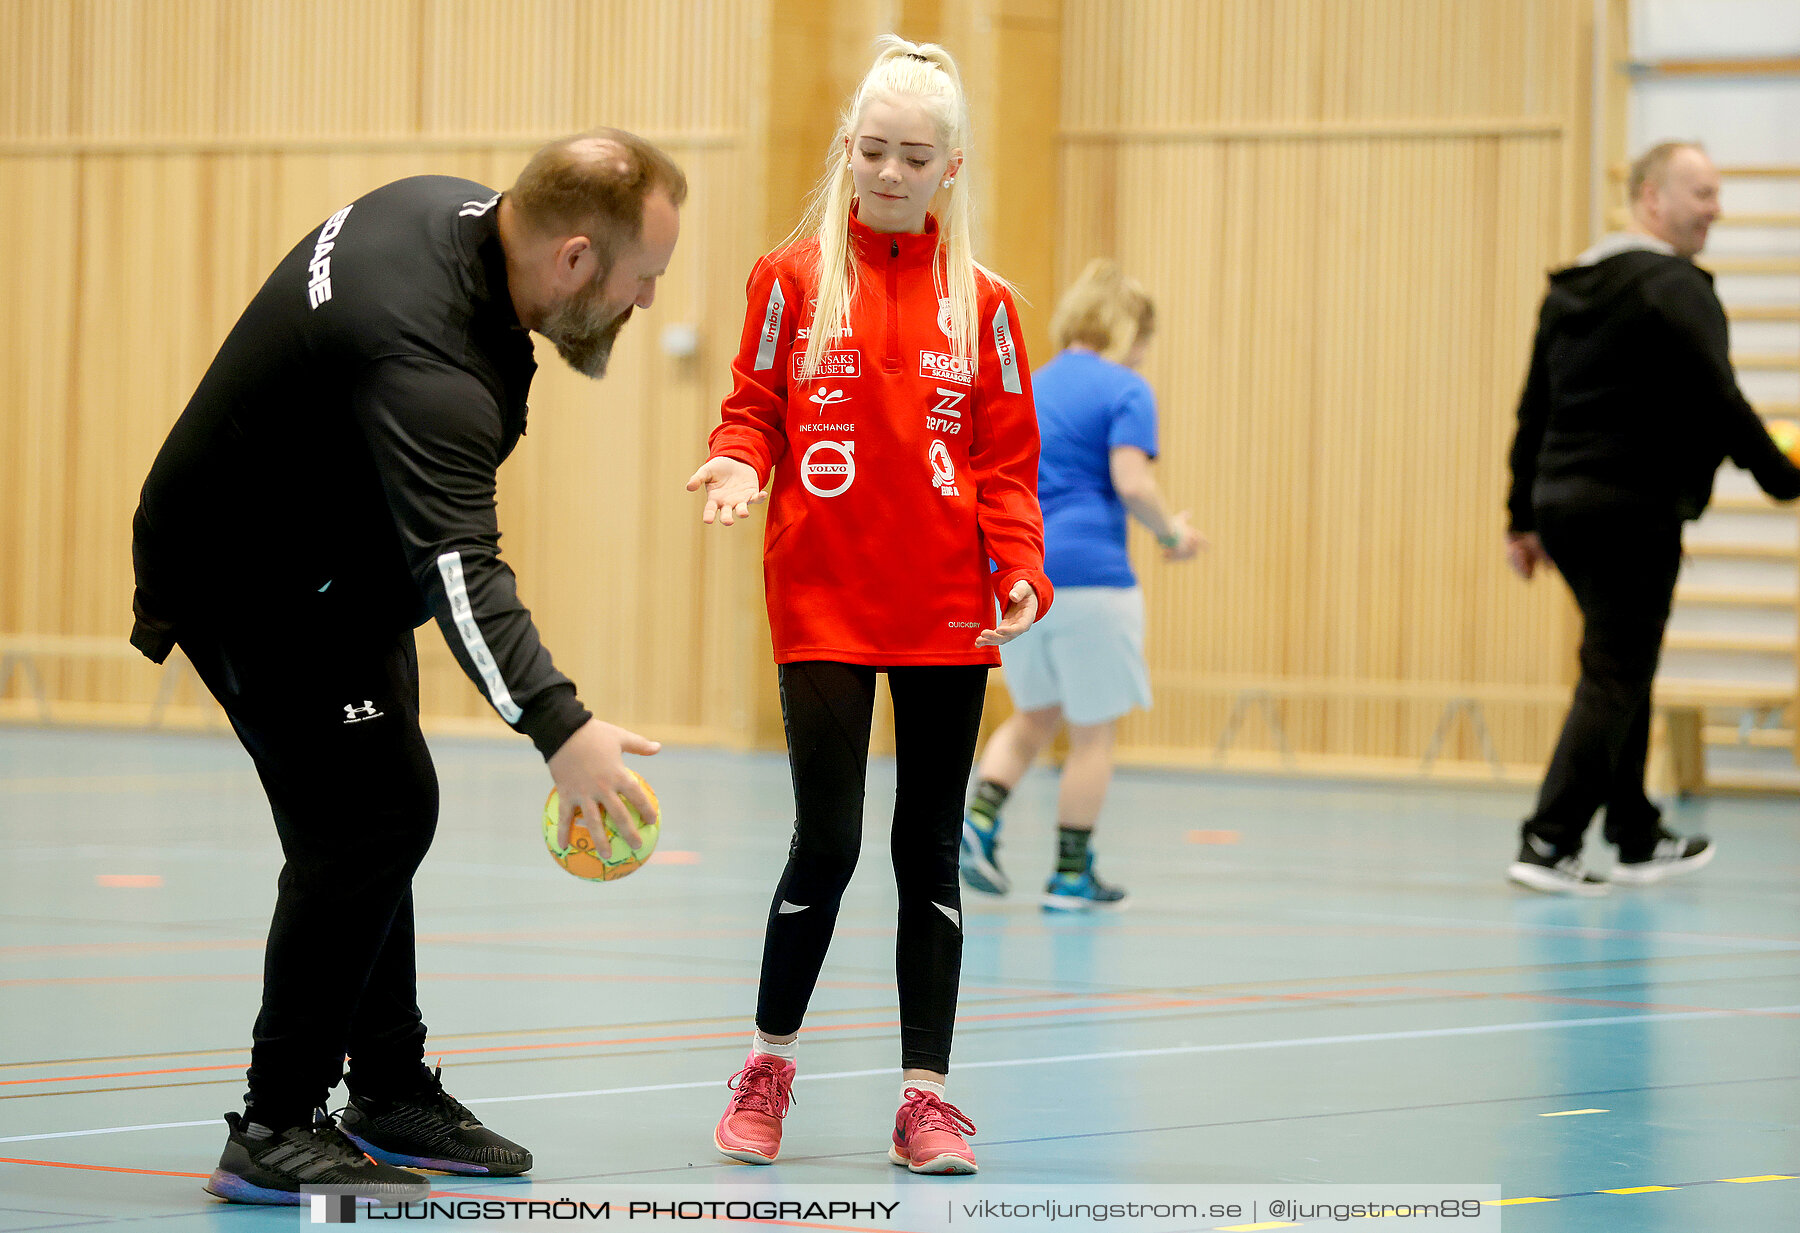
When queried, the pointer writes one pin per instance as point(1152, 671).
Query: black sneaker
point(271, 1168)
point(1541, 867)
point(430, 1130)
point(1673, 855)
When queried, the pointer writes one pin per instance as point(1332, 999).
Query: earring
point(949, 182)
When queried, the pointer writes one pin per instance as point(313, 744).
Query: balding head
point(595, 184)
point(588, 228)
point(1674, 191)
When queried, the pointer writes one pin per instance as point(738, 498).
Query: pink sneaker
point(928, 1135)
point(750, 1131)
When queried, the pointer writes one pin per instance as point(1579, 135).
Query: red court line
point(1114, 1002)
point(1669, 1006)
point(1142, 1002)
point(70, 949)
point(734, 1034)
point(64, 1164)
point(647, 978)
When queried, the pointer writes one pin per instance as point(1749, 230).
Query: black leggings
point(331, 718)
point(827, 709)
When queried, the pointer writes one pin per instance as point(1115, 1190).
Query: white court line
point(110, 1130)
point(1485, 1029)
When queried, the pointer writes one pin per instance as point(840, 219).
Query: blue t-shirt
point(1087, 406)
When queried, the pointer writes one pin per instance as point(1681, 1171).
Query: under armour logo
point(354, 714)
point(828, 398)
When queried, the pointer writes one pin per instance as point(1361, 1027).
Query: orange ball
point(1786, 434)
point(612, 858)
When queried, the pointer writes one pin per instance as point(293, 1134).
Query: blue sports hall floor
point(1314, 983)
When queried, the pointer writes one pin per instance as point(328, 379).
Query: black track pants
point(331, 719)
point(1622, 571)
point(827, 709)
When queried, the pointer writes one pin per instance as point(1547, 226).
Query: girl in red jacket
point(882, 380)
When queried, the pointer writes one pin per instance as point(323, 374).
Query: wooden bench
point(20, 653)
point(1459, 700)
point(1678, 762)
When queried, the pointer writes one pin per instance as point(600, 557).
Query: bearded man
point(1629, 408)
point(329, 487)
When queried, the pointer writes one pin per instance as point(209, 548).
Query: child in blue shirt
point(1084, 662)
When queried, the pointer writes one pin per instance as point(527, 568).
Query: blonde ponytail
point(924, 72)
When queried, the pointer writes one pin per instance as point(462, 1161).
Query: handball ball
point(1787, 438)
point(609, 858)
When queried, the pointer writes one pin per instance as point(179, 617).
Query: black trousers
point(1622, 569)
point(330, 715)
point(827, 708)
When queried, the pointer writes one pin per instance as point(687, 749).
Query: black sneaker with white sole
point(1541, 867)
point(1673, 855)
point(431, 1129)
point(261, 1166)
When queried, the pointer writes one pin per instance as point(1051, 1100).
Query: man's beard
point(583, 335)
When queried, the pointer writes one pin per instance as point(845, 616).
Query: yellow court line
point(1514, 1202)
point(1574, 1112)
point(1767, 1177)
point(1639, 1189)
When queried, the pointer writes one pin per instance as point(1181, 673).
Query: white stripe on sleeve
point(450, 569)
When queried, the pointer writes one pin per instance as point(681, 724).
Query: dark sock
point(395, 1085)
point(1071, 849)
point(984, 807)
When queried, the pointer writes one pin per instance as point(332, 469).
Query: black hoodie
point(1631, 403)
point(337, 464)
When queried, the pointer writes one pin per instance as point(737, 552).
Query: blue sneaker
point(1081, 892)
point(980, 859)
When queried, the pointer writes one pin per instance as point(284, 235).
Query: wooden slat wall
point(1345, 209)
point(163, 154)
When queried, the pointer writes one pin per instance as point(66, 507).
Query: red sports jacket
point(900, 470)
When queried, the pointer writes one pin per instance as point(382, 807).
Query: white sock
point(923, 1085)
point(758, 1044)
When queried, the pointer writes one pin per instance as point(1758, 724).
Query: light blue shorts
point(1086, 656)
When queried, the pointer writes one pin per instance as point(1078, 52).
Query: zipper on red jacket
point(892, 361)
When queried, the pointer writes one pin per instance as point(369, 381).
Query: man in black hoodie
point(1629, 408)
point(330, 486)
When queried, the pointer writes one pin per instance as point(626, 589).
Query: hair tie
point(913, 55)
